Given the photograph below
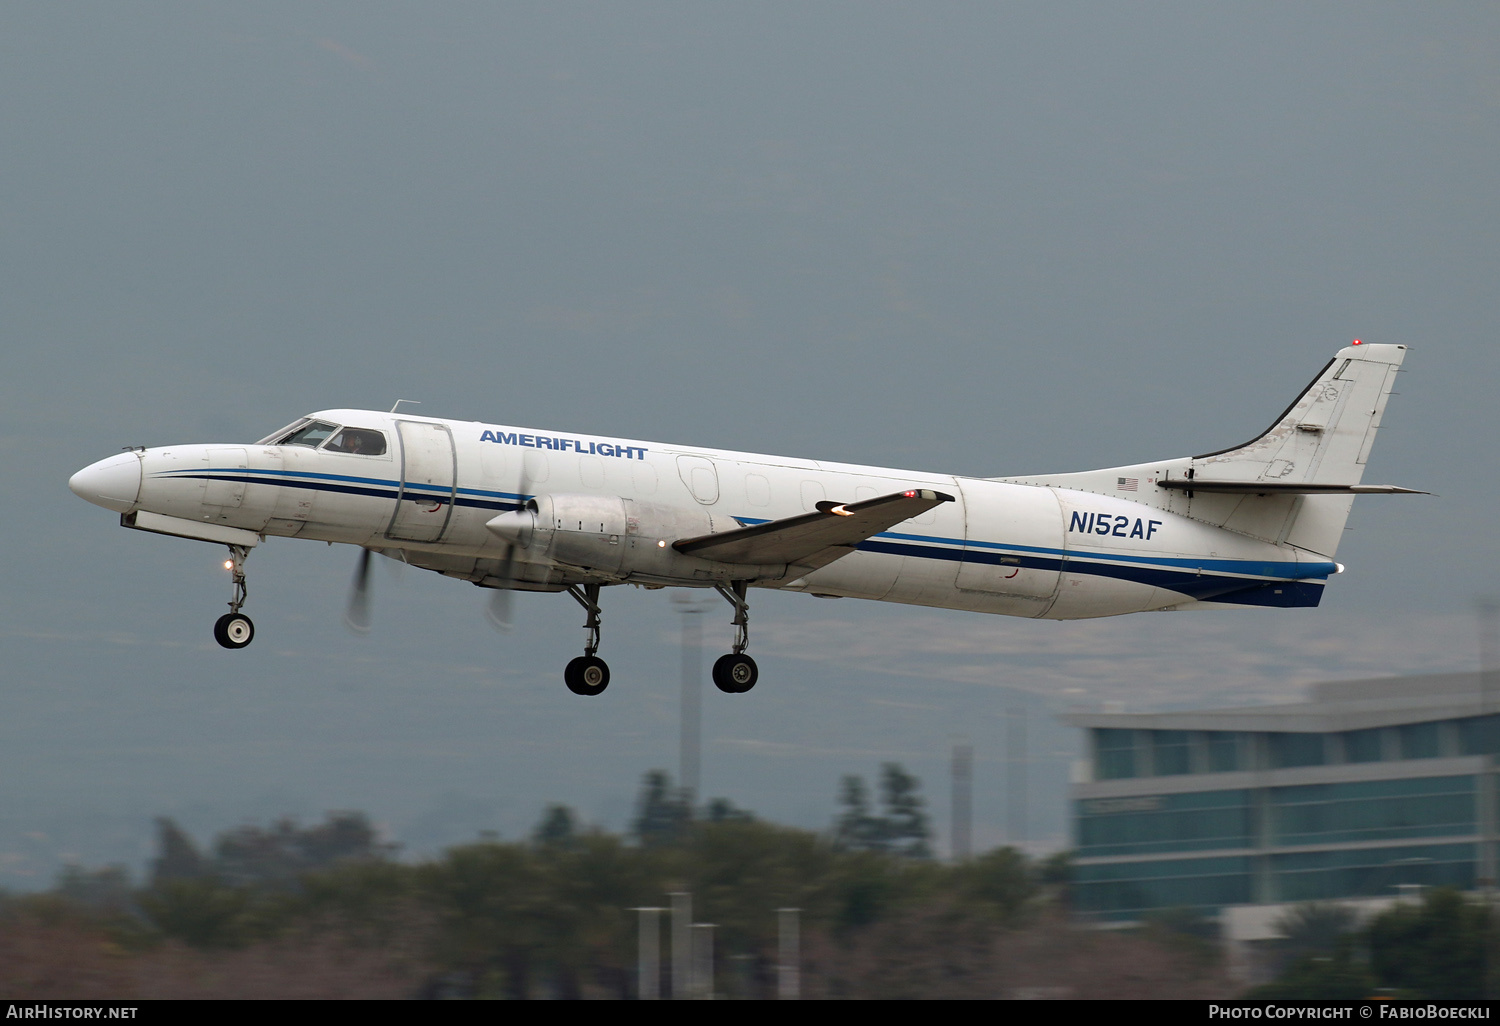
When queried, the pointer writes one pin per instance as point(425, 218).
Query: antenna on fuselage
point(414, 402)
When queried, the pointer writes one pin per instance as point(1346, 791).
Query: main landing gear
point(736, 673)
point(587, 674)
point(234, 629)
point(733, 674)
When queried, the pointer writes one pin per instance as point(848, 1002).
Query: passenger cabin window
point(311, 435)
point(358, 441)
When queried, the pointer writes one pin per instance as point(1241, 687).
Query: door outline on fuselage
point(436, 468)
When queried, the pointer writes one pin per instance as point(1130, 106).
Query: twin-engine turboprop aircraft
point(517, 509)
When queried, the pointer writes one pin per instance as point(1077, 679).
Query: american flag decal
point(1128, 484)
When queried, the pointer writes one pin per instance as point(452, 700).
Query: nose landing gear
point(736, 673)
point(234, 629)
point(587, 674)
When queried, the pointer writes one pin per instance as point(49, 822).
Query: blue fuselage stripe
point(1226, 580)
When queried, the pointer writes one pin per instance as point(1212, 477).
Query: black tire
point(735, 674)
point(234, 630)
point(586, 675)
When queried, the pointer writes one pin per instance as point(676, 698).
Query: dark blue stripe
point(1237, 590)
point(1193, 585)
point(348, 489)
point(1291, 595)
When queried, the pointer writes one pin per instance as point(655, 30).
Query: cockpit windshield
point(329, 437)
point(309, 433)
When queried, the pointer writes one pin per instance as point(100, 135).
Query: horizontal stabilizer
point(1284, 488)
point(813, 539)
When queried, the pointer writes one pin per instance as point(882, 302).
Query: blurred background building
point(1368, 788)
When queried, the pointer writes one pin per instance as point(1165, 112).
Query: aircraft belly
point(866, 575)
point(1081, 596)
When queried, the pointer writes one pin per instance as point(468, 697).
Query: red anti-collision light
point(1358, 342)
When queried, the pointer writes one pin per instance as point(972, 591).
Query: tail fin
point(1294, 483)
point(1325, 436)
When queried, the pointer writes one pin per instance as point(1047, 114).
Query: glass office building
point(1369, 786)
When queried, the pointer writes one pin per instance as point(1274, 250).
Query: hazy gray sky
point(982, 238)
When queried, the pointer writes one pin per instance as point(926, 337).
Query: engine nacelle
point(618, 537)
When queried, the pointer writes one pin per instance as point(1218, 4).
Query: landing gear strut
point(587, 674)
point(234, 629)
point(736, 672)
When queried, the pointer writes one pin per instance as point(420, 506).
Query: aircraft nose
point(114, 483)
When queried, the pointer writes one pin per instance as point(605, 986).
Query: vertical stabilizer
point(1325, 436)
point(1321, 441)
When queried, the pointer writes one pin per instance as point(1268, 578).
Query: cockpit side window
point(312, 434)
point(358, 441)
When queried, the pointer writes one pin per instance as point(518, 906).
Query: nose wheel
point(587, 674)
point(234, 629)
point(736, 673)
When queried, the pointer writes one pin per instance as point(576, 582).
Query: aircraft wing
point(816, 539)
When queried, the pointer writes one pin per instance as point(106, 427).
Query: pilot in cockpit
point(357, 442)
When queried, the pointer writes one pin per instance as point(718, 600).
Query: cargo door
point(424, 504)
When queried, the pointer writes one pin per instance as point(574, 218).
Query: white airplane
point(519, 509)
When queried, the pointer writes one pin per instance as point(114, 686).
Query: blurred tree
point(722, 810)
point(178, 858)
point(663, 813)
point(279, 855)
point(558, 828)
point(998, 884)
point(906, 827)
point(856, 828)
point(1055, 874)
point(903, 830)
point(102, 890)
point(491, 908)
point(1435, 949)
point(1333, 976)
point(203, 912)
point(1315, 928)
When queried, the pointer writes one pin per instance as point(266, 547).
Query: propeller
point(357, 615)
point(499, 609)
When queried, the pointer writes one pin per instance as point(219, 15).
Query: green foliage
point(277, 856)
point(1432, 950)
point(663, 813)
point(1336, 976)
point(857, 829)
point(1316, 928)
point(722, 810)
point(1185, 930)
point(558, 828)
point(178, 857)
point(202, 912)
point(903, 830)
point(907, 830)
point(1440, 948)
point(553, 915)
point(999, 884)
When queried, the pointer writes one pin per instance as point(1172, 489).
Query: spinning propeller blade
point(499, 609)
point(357, 615)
